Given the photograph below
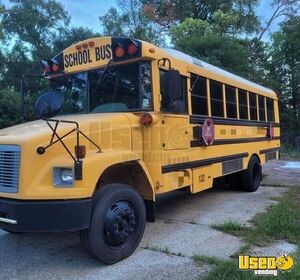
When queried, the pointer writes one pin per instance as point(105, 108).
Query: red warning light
point(132, 49)
point(120, 52)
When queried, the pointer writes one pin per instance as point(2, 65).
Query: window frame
point(199, 97)
point(185, 99)
point(247, 103)
point(253, 108)
point(229, 102)
point(268, 111)
point(216, 100)
point(264, 108)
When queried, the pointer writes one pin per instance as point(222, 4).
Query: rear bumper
point(34, 216)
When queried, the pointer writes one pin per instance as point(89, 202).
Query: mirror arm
point(24, 77)
point(77, 160)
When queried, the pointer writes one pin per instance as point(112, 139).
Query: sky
point(86, 13)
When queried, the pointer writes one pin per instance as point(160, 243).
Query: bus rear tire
point(251, 177)
point(117, 224)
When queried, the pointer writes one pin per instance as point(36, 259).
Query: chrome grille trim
point(9, 168)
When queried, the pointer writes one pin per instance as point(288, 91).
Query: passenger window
point(243, 107)
point(253, 106)
point(262, 109)
point(216, 99)
point(199, 95)
point(178, 106)
point(270, 110)
point(230, 102)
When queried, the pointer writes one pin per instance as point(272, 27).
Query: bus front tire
point(251, 177)
point(117, 224)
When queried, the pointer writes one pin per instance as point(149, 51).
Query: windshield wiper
point(102, 78)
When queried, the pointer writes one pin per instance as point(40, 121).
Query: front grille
point(9, 168)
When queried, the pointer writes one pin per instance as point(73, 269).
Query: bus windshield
point(123, 88)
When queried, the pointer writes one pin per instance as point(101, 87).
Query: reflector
point(151, 50)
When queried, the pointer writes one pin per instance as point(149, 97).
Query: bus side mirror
point(174, 84)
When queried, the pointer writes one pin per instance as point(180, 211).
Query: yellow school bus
point(122, 121)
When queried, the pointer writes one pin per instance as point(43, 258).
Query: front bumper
point(38, 216)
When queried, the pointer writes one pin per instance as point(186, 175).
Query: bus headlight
point(63, 177)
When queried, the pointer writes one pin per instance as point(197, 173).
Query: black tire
point(251, 177)
point(117, 224)
point(233, 180)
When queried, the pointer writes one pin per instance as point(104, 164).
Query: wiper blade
point(102, 78)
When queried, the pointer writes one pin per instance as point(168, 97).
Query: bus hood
point(107, 130)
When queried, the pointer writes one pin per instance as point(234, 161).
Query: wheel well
point(130, 173)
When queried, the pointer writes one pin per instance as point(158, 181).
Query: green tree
point(285, 75)
point(130, 20)
point(17, 62)
point(33, 26)
point(9, 108)
point(35, 23)
point(69, 36)
point(2, 58)
point(169, 13)
point(2, 9)
point(211, 43)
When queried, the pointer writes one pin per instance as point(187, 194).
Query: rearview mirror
point(49, 103)
point(174, 86)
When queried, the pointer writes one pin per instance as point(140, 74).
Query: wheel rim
point(256, 174)
point(119, 223)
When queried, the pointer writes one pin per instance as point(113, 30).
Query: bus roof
point(104, 42)
point(189, 59)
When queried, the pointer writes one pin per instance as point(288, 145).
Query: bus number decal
point(202, 178)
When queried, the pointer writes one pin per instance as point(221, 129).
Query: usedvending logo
point(266, 265)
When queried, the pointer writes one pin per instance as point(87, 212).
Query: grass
point(164, 250)
point(279, 222)
point(228, 270)
point(231, 227)
point(207, 260)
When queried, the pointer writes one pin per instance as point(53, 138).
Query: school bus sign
point(90, 53)
point(266, 265)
